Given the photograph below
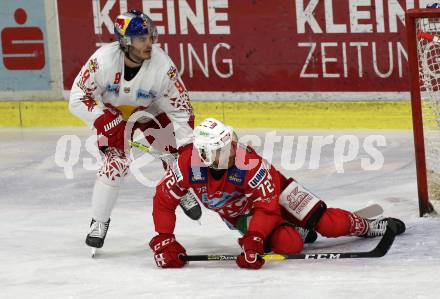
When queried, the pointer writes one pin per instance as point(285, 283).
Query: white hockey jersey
point(156, 88)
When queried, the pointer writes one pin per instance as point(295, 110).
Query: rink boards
point(240, 114)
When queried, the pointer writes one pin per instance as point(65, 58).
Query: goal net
point(423, 34)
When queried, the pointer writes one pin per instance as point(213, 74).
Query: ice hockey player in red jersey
point(272, 212)
point(127, 85)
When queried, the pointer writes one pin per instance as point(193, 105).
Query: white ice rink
point(44, 218)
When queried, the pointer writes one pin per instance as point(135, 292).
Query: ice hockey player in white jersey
point(119, 80)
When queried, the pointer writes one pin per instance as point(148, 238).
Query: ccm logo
point(163, 243)
point(323, 256)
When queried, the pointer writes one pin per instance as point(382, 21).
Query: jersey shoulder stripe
point(258, 176)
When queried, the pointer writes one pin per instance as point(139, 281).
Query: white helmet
point(210, 137)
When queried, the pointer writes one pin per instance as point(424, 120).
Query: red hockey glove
point(253, 245)
point(112, 126)
point(167, 251)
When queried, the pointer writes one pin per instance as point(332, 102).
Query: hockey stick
point(380, 250)
point(148, 149)
point(142, 147)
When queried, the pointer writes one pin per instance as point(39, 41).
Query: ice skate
point(377, 227)
point(191, 207)
point(96, 235)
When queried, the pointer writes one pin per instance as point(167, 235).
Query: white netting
point(429, 65)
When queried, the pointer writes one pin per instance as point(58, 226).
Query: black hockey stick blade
point(380, 250)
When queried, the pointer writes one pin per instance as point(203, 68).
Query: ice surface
point(44, 218)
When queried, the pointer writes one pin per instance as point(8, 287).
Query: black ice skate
point(96, 236)
point(377, 227)
point(190, 206)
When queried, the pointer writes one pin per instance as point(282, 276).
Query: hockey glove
point(252, 245)
point(110, 128)
point(167, 251)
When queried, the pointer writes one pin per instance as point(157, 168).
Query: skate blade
point(370, 211)
point(93, 252)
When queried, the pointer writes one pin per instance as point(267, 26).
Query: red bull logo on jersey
point(93, 65)
point(172, 73)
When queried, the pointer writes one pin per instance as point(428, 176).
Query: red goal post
point(423, 37)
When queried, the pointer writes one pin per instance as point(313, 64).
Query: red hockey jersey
point(250, 187)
